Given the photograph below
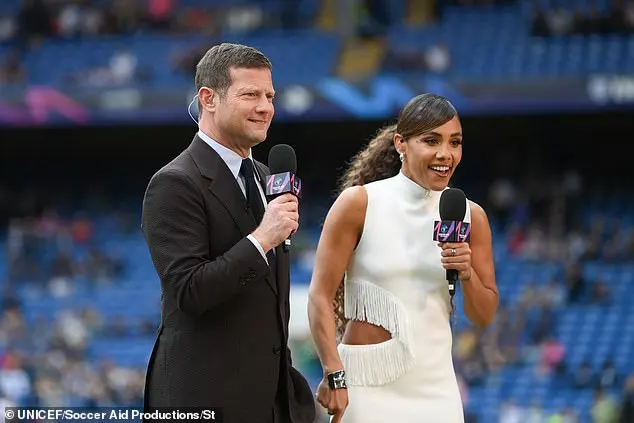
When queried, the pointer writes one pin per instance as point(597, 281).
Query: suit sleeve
point(175, 228)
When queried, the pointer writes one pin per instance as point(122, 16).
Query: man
point(223, 336)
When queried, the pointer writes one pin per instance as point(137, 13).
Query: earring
point(401, 156)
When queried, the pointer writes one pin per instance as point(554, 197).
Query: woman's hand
point(457, 256)
point(333, 400)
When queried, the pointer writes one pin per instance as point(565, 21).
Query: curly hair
point(379, 159)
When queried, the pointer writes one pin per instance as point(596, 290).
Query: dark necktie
point(252, 193)
point(254, 200)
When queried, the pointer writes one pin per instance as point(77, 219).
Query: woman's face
point(432, 157)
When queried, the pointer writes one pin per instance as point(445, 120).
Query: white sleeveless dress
point(395, 280)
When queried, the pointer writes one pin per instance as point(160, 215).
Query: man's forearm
point(206, 285)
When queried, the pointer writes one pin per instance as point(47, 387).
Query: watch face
point(337, 379)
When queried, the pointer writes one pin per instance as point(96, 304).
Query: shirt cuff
point(258, 246)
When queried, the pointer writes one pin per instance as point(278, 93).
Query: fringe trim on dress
point(378, 364)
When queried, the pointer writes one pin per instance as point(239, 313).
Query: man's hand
point(280, 220)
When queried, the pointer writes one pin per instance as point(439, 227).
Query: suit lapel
point(222, 184)
point(282, 260)
point(273, 279)
point(225, 188)
point(263, 172)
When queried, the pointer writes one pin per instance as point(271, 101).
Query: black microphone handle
point(286, 246)
point(452, 279)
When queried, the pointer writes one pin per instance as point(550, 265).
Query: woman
point(393, 307)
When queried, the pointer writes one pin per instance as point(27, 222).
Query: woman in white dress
point(386, 347)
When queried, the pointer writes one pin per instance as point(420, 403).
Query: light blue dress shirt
point(234, 161)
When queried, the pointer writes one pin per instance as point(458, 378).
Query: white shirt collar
point(230, 157)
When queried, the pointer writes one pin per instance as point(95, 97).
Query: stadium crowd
point(559, 21)
point(44, 362)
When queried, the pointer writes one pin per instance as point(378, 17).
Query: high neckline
point(413, 190)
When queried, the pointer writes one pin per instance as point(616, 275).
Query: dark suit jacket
point(222, 340)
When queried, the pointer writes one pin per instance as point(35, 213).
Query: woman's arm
point(339, 237)
point(480, 291)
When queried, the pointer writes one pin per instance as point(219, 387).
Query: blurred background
point(93, 101)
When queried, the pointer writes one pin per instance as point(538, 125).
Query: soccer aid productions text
point(59, 414)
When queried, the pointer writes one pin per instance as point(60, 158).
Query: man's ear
point(208, 98)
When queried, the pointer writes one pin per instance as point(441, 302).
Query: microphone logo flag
point(452, 231)
point(281, 183)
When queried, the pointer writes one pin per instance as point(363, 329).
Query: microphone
point(283, 167)
point(451, 228)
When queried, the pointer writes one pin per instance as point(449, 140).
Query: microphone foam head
point(453, 204)
point(282, 159)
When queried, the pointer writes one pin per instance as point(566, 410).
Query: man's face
point(244, 115)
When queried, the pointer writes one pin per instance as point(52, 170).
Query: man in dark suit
point(225, 284)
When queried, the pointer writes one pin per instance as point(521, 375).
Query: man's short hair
point(213, 70)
